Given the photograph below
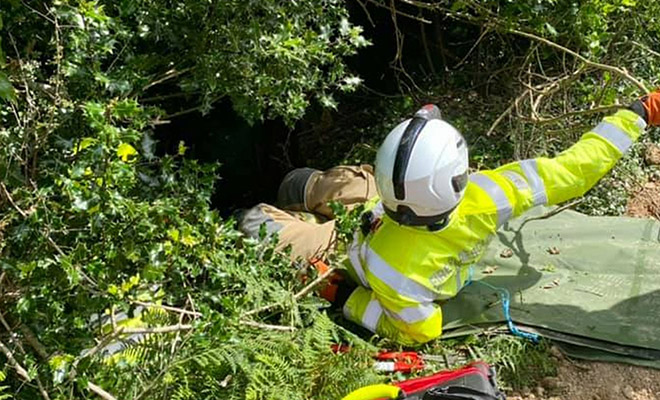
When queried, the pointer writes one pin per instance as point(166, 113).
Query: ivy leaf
point(7, 92)
point(125, 151)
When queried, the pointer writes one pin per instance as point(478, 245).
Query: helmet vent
point(459, 182)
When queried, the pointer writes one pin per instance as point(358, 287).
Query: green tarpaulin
point(590, 283)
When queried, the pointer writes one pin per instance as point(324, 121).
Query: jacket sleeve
point(516, 187)
point(407, 324)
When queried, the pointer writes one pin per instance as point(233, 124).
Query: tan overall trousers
point(303, 218)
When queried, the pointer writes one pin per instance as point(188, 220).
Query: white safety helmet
point(422, 170)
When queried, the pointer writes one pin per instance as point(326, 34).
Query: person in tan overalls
point(302, 217)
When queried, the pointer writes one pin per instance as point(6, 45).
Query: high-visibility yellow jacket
point(403, 270)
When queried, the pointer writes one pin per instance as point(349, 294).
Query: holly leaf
point(125, 151)
point(7, 92)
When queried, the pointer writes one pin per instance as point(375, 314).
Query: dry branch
point(506, 112)
point(267, 326)
point(100, 392)
point(377, 4)
point(168, 308)
point(596, 110)
point(13, 363)
point(605, 67)
point(158, 329)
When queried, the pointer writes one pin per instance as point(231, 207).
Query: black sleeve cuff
point(639, 109)
point(344, 291)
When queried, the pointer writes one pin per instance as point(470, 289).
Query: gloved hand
point(648, 107)
point(335, 288)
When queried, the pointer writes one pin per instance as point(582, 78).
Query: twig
point(173, 73)
point(605, 67)
point(158, 329)
point(32, 340)
point(641, 46)
point(427, 53)
point(377, 4)
point(505, 113)
point(595, 110)
point(39, 348)
point(364, 8)
point(420, 4)
point(113, 319)
point(267, 326)
point(169, 308)
point(6, 195)
point(99, 346)
point(474, 46)
point(12, 361)
point(297, 296)
point(552, 213)
point(100, 392)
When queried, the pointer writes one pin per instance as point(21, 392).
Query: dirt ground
point(646, 201)
point(582, 380)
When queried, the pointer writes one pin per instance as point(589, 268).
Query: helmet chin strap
point(404, 215)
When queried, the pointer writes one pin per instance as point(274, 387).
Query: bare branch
point(158, 329)
point(506, 112)
point(12, 361)
point(268, 327)
point(173, 73)
point(364, 8)
point(168, 308)
point(377, 4)
point(641, 46)
point(5, 193)
point(595, 110)
point(474, 46)
point(552, 212)
point(619, 71)
point(100, 392)
point(32, 340)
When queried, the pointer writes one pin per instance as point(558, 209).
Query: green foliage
point(518, 362)
point(270, 57)
point(94, 223)
point(267, 365)
point(347, 222)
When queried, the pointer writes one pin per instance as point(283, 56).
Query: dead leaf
point(551, 285)
point(489, 269)
point(506, 253)
point(553, 250)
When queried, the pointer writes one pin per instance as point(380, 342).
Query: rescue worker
point(428, 218)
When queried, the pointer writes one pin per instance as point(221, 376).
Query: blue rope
point(505, 298)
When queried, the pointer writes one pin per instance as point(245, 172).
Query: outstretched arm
point(512, 189)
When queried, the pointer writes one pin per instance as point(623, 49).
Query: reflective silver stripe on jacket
point(354, 257)
point(504, 208)
point(614, 135)
point(459, 281)
point(395, 279)
point(378, 210)
point(372, 315)
point(531, 170)
point(410, 315)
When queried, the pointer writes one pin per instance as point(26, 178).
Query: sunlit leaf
point(125, 151)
